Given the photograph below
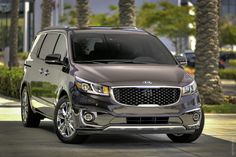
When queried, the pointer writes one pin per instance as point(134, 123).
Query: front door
point(45, 86)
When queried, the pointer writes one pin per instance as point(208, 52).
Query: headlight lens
point(190, 89)
point(92, 88)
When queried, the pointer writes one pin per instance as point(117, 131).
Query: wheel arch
point(23, 85)
point(28, 88)
point(62, 93)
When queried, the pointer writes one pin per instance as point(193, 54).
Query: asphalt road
point(17, 141)
point(217, 140)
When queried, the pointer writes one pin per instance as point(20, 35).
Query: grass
point(223, 108)
point(232, 62)
point(227, 74)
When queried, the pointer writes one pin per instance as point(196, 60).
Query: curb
point(9, 106)
point(228, 82)
point(8, 102)
point(9, 98)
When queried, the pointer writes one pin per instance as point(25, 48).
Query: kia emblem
point(147, 82)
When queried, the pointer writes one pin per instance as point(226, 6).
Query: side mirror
point(53, 59)
point(182, 60)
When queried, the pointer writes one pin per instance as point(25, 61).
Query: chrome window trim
point(144, 105)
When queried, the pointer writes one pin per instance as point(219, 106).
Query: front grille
point(147, 120)
point(137, 96)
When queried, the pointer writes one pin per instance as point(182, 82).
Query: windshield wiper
point(130, 61)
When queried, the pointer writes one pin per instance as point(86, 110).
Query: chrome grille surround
point(148, 96)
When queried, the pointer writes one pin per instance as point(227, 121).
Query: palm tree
point(207, 51)
point(127, 12)
point(83, 13)
point(47, 6)
point(14, 33)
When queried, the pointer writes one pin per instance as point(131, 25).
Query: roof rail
point(91, 27)
point(113, 27)
point(56, 27)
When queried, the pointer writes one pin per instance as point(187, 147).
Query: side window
point(48, 45)
point(61, 47)
point(37, 44)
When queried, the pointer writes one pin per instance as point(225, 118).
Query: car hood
point(133, 74)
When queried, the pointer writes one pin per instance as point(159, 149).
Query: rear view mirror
point(53, 59)
point(181, 60)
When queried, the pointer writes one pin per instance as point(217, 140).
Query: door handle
point(46, 72)
point(41, 70)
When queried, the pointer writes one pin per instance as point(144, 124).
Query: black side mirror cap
point(53, 59)
point(181, 60)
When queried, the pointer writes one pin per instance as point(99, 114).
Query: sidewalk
point(228, 82)
point(222, 126)
point(9, 109)
point(8, 102)
point(229, 87)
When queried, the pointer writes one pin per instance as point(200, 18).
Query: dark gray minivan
point(108, 80)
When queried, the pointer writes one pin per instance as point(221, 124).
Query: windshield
point(116, 48)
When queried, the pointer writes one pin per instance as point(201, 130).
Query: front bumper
point(112, 118)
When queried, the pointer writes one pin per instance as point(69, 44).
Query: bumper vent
point(137, 96)
point(147, 120)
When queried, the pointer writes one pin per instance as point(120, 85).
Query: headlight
point(190, 89)
point(90, 87)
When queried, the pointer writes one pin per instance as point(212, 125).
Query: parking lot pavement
point(38, 142)
point(218, 140)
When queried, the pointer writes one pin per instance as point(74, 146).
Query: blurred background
point(204, 31)
point(178, 15)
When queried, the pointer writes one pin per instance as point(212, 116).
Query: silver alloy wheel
point(24, 106)
point(65, 120)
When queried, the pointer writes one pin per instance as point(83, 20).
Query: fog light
point(196, 116)
point(89, 117)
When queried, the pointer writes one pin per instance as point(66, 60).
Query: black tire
point(188, 138)
point(72, 139)
point(29, 118)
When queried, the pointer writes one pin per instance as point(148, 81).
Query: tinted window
point(136, 48)
point(48, 45)
point(86, 46)
point(37, 44)
point(61, 47)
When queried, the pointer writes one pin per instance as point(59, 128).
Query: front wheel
point(188, 138)
point(64, 123)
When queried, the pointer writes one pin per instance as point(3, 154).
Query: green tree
point(103, 19)
point(14, 33)
point(47, 6)
point(167, 19)
point(83, 13)
point(227, 33)
point(127, 12)
point(70, 15)
point(207, 51)
point(106, 19)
